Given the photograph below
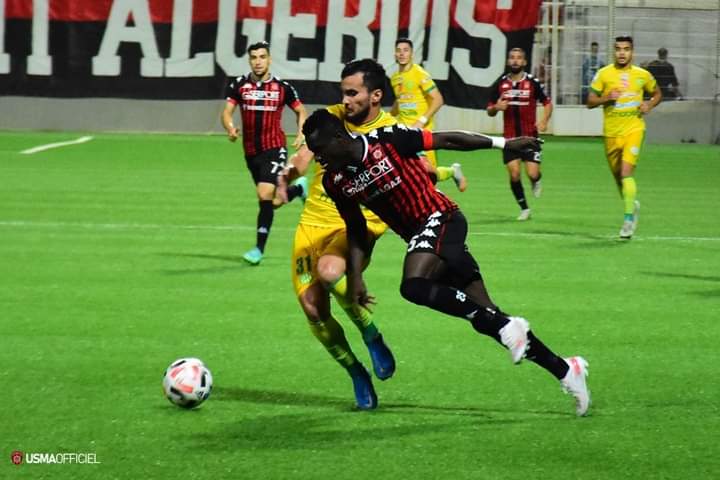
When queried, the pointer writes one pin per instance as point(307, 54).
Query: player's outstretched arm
point(463, 140)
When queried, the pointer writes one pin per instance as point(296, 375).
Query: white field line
point(48, 146)
point(152, 226)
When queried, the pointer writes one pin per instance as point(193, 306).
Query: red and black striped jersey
point(261, 105)
point(519, 119)
point(391, 181)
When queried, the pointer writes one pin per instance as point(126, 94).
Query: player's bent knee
point(330, 269)
point(416, 290)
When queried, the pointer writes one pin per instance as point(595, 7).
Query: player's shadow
point(236, 260)
point(323, 431)
point(707, 278)
point(274, 397)
point(318, 427)
point(585, 240)
point(711, 294)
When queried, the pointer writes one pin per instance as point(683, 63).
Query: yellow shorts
point(312, 242)
point(624, 149)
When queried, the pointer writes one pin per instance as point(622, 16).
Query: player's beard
point(359, 117)
point(516, 69)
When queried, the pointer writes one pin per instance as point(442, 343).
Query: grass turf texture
point(124, 253)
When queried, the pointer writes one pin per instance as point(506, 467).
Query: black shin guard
point(539, 353)
point(519, 194)
point(264, 222)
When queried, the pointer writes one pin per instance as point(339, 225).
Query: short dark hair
point(404, 40)
point(258, 46)
point(323, 122)
point(373, 73)
point(517, 49)
point(624, 38)
point(594, 44)
point(662, 52)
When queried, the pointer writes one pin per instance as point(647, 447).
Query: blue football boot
point(382, 358)
point(365, 396)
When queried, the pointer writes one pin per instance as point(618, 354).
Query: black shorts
point(444, 235)
point(526, 156)
point(265, 166)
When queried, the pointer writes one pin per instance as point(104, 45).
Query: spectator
point(664, 73)
point(591, 64)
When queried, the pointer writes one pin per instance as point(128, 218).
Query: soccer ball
point(187, 382)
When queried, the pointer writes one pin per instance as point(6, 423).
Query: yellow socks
point(444, 173)
point(331, 335)
point(629, 193)
point(359, 316)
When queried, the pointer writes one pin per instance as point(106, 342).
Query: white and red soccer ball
point(187, 382)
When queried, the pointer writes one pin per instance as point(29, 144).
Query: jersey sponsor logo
point(260, 95)
point(630, 104)
point(268, 108)
point(517, 92)
point(367, 177)
point(386, 187)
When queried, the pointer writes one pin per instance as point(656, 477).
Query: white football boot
point(514, 337)
point(574, 384)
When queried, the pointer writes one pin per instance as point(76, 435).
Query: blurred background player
point(664, 73)
point(619, 88)
point(381, 171)
point(591, 64)
point(320, 245)
point(417, 100)
point(261, 98)
point(517, 94)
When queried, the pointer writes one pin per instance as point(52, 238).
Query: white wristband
point(498, 142)
point(423, 119)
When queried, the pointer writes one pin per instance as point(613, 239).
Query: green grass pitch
point(122, 254)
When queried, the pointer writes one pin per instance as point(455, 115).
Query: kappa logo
point(415, 245)
point(427, 233)
point(337, 178)
point(373, 134)
point(432, 223)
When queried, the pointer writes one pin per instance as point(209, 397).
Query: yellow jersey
point(623, 117)
point(411, 88)
point(319, 209)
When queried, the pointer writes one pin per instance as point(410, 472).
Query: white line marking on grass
point(48, 146)
point(157, 226)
